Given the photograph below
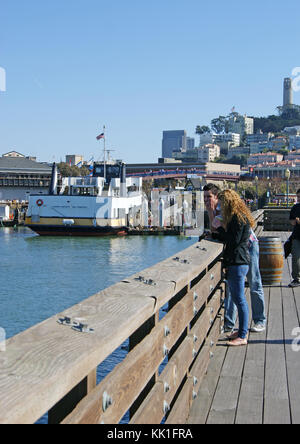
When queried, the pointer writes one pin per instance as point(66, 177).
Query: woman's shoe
point(233, 335)
point(237, 342)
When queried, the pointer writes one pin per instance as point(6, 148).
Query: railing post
point(69, 402)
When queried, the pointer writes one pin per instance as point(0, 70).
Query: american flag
point(101, 136)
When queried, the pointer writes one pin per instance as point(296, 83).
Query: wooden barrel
point(270, 260)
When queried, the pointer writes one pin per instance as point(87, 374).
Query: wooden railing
point(52, 367)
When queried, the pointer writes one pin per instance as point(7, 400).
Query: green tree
point(202, 129)
point(219, 125)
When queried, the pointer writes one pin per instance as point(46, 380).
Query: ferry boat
point(106, 203)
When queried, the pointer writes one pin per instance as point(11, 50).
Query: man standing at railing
point(295, 221)
point(212, 205)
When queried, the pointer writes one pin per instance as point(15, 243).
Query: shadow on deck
point(259, 383)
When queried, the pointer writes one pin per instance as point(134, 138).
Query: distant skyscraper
point(173, 141)
point(190, 143)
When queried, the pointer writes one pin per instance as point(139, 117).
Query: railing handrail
point(41, 365)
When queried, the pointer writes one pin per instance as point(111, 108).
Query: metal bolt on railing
point(167, 331)
point(166, 407)
point(166, 351)
point(106, 401)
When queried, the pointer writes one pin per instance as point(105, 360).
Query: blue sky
point(138, 67)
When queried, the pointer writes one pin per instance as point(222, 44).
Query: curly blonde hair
point(231, 205)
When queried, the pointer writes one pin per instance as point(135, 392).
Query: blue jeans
point(236, 275)
point(256, 292)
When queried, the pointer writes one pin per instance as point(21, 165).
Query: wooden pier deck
point(260, 383)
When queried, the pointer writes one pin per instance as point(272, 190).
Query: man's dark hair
point(211, 187)
point(298, 191)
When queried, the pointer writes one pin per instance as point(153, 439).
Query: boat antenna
point(109, 151)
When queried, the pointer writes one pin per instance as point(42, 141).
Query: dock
point(178, 368)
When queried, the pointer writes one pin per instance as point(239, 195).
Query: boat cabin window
point(83, 191)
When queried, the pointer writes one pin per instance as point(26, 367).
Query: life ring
point(39, 202)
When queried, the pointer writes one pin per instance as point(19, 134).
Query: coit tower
point(287, 92)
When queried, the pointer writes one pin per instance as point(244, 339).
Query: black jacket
point(236, 239)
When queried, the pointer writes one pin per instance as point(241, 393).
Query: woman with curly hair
point(234, 232)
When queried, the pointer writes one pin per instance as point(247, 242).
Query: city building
point(19, 155)
point(277, 169)
point(258, 147)
point(224, 141)
point(238, 151)
point(199, 167)
point(209, 152)
point(190, 143)
point(293, 155)
point(173, 141)
point(278, 143)
point(263, 158)
point(20, 176)
point(74, 159)
point(239, 124)
point(292, 130)
point(294, 142)
point(259, 137)
point(207, 138)
point(13, 154)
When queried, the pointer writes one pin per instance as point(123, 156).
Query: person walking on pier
point(253, 277)
point(295, 221)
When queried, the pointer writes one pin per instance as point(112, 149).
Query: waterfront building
point(190, 167)
point(277, 169)
point(20, 176)
point(173, 141)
